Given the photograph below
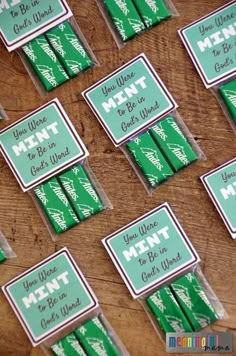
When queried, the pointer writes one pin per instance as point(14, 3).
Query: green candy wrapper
point(150, 159)
point(173, 143)
point(56, 205)
point(228, 94)
point(95, 339)
point(125, 18)
point(3, 256)
point(68, 346)
point(80, 192)
point(194, 302)
point(45, 63)
point(69, 49)
point(152, 11)
point(167, 311)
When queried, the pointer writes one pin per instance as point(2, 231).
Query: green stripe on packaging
point(69, 49)
point(56, 205)
point(80, 192)
point(45, 63)
point(194, 301)
point(150, 159)
point(228, 94)
point(95, 339)
point(68, 346)
point(167, 311)
point(125, 18)
point(152, 11)
point(170, 138)
point(3, 256)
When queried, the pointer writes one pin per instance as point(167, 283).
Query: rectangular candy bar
point(69, 49)
point(150, 159)
point(45, 63)
point(194, 302)
point(152, 11)
point(228, 94)
point(68, 346)
point(56, 205)
point(3, 256)
point(80, 192)
point(95, 339)
point(173, 143)
point(125, 18)
point(168, 312)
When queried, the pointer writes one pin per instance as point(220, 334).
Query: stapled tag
point(129, 100)
point(23, 20)
point(41, 144)
point(211, 44)
point(49, 296)
point(150, 250)
point(220, 184)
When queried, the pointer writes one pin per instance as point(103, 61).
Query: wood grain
point(22, 225)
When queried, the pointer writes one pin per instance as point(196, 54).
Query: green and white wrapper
point(80, 192)
point(173, 143)
point(45, 63)
point(69, 49)
point(194, 301)
point(152, 11)
point(167, 311)
point(94, 338)
point(68, 346)
point(56, 206)
point(149, 159)
point(125, 18)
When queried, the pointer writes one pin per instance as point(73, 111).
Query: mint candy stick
point(194, 302)
point(45, 63)
point(149, 159)
point(80, 192)
point(69, 49)
point(56, 205)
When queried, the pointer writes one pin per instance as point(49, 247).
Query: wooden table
point(22, 225)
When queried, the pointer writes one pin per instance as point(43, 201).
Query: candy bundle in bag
point(50, 43)
point(210, 42)
point(60, 311)
point(128, 18)
point(49, 160)
point(139, 115)
point(161, 269)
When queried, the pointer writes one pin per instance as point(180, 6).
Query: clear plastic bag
point(211, 296)
point(3, 114)
point(120, 43)
point(216, 93)
point(196, 148)
point(38, 84)
point(46, 346)
point(5, 246)
point(98, 188)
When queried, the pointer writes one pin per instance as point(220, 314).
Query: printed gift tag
point(221, 187)
point(23, 20)
point(211, 44)
point(129, 100)
point(49, 296)
point(41, 144)
point(150, 250)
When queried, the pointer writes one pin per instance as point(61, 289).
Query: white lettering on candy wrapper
point(145, 245)
point(122, 96)
point(47, 289)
